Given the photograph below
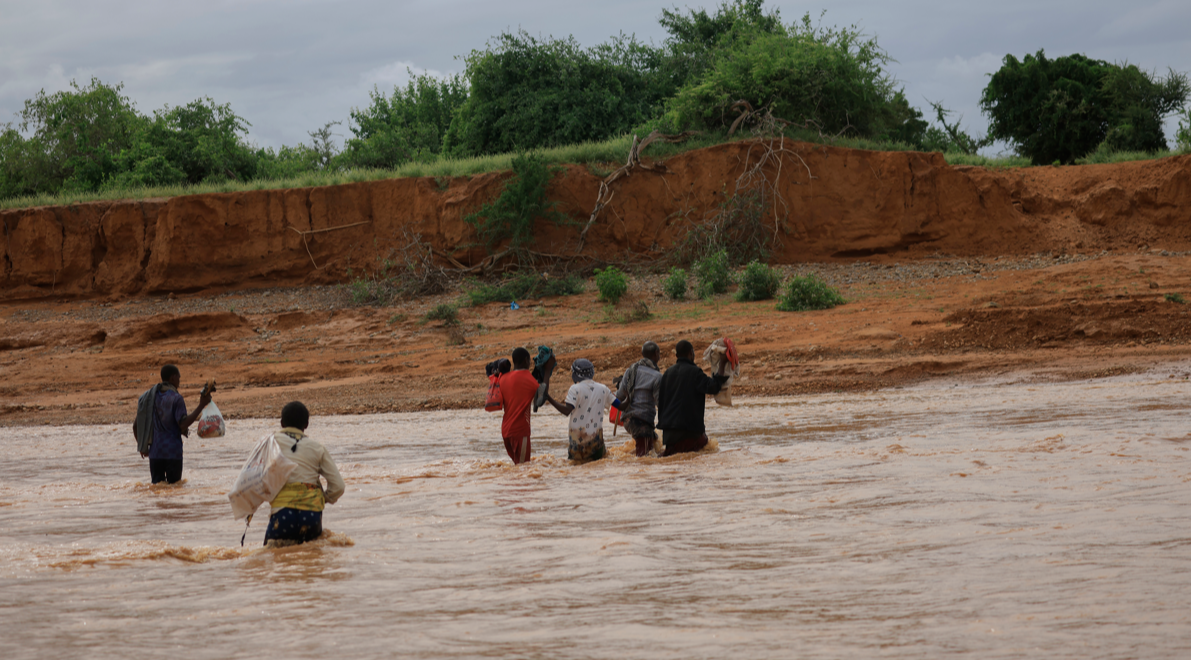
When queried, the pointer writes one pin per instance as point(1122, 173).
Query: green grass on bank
point(603, 154)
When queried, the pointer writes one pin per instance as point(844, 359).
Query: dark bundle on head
point(168, 372)
point(295, 415)
point(520, 358)
point(501, 366)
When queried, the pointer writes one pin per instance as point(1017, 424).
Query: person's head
point(650, 351)
point(520, 358)
point(582, 370)
point(685, 350)
point(171, 375)
point(295, 416)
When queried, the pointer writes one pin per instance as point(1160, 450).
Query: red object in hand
point(493, 403)
point(616, 416)
point(733, 358)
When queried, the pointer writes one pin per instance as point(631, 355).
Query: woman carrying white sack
point(298, 507)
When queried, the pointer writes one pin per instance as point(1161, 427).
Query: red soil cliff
point(858, 203)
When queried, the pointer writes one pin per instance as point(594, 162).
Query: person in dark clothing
point(167, 424)
point(682, 399)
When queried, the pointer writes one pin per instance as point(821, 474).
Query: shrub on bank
point(674, 285)
point(713, 274)
point(612, 284)
point(757, 282)
point(808, 292)
point(522, 286)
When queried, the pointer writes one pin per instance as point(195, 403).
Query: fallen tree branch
point(605, 194)
point(308, 232)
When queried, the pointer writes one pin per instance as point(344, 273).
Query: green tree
point(833, 76)
point(1062, 109)
point(527, 93)
point(202, 139)
point(696, 37)
point(75, 137)
point(406, 126)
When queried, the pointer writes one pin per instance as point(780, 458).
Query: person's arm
point(710, 384)
point(335, 485)
point(622, 392)
point(563, 408)
point(185, 422)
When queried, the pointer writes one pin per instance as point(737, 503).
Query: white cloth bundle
point(716, 355)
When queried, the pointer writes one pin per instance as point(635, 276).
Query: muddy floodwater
point(1000, 520)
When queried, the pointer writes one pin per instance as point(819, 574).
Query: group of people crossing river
point(646, 400)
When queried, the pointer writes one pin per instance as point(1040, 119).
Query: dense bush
point(835, 77)
point(713, 274)
point(513, 215)
point(612, 284)
point(808, 292)
point(1183, 135)
point(1061, 109)
point(523, 286)
point(405, 126)
point(527, 93)
point(674, 285)
point(757, 281)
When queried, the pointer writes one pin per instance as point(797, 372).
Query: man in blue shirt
point(169, 422)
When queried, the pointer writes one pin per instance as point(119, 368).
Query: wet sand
point(992, 518)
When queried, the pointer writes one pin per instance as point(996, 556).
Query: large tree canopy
point(1062, 109)
point(834, 77)
point(527, 93)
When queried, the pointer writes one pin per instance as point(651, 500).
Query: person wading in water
point(517, 391)
point(161, 422)
point(638, 394)
point(682, 399)
point(585, 405)
point(297, 510)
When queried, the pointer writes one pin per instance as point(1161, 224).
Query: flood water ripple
point(998, 520)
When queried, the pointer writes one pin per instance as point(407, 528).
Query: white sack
point(261, 478)
point(715, 355)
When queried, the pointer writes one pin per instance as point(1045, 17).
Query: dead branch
point(605, 194)
point(308, 232)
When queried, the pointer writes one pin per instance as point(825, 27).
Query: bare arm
point(563, 408)
point(184, 425)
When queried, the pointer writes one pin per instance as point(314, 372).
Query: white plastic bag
point(261, 478)
point(716, 356)
point(210, 423)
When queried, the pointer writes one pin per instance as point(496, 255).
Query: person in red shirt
point(517, 391)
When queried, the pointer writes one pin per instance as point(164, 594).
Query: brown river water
point(997, 519)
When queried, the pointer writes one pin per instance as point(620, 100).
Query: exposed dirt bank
point(936, 261)
point(844, 204)
point(1017, 318)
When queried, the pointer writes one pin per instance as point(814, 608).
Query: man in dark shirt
point(170, 422)
point(682, 399)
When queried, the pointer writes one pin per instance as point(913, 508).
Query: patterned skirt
point(586, 450)
point(294, 525)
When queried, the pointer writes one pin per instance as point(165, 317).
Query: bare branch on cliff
point(308, 232)
point(604, 197)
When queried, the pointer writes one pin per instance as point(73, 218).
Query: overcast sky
point(290, 66)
